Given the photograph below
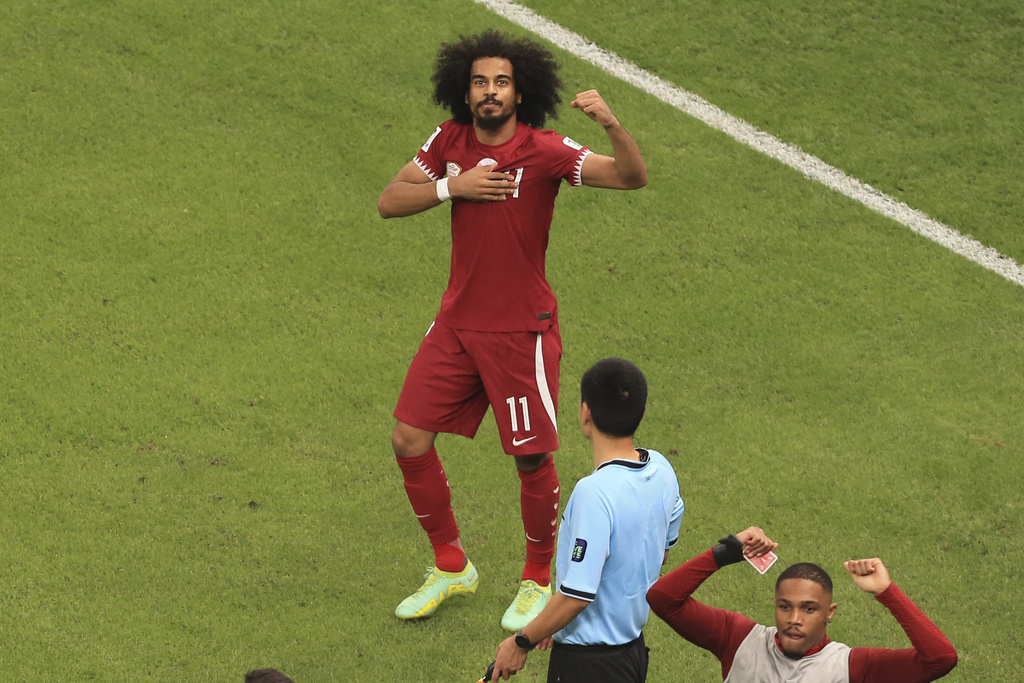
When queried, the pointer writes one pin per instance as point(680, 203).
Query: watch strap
point(524, 642)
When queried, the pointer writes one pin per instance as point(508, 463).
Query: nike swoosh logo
point(518, 442)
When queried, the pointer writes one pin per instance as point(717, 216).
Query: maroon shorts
point(456, 374)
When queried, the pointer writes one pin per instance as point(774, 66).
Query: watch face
point(522, 641)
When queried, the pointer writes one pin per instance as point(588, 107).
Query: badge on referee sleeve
point(579, 550)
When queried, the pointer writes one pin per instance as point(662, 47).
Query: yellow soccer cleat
point(438, 586)
point(529, 602)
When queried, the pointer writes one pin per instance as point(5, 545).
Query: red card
point(763, 563)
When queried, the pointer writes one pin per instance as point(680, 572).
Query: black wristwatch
point(524, 642)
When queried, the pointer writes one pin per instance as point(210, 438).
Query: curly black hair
point(533, 68)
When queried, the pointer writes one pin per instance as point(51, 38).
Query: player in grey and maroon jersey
point(798, 648)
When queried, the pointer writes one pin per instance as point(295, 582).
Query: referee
point(615, 534)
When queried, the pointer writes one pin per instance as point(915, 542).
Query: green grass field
point(205, 325)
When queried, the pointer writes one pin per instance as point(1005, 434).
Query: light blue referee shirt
point(615, 530)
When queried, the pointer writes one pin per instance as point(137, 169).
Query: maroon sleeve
point(716, 630)
point(931, 658)
point(430, 157)
point(563, 156)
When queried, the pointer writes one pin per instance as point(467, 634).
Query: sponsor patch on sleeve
point(579, 550)
point(426, 145)
point(569, 142)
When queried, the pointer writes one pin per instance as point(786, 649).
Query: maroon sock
point(539, 502)
point(427, 488)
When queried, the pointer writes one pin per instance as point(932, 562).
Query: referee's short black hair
point(616, 392)
point(808, 571)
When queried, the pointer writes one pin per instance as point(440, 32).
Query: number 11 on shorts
point(514, 413)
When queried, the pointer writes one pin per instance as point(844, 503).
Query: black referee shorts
point(599, 663)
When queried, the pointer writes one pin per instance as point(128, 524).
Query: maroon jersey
point(497, 280)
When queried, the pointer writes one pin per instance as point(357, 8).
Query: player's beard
point(493, 121)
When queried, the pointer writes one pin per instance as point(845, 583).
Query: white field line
point(811, 166)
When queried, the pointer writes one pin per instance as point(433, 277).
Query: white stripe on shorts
point(542, 382)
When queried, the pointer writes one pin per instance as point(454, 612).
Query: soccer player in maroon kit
point(798, 647)
point(495, 341)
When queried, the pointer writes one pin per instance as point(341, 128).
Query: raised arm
point(932, 655)
point(625, 169)
point(716, 630)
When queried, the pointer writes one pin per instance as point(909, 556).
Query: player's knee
point(409, 442)
point(531, 463)
point(400, 443)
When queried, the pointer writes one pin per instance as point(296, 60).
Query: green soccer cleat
point(528, 604)
point(438, 586)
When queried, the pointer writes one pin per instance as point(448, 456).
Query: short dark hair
point(534, 71)
point(808, 571)
point(266, 676)
point(615, 390)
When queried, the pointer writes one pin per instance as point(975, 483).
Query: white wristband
point(442, 189)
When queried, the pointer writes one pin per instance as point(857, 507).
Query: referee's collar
point(645, 457)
